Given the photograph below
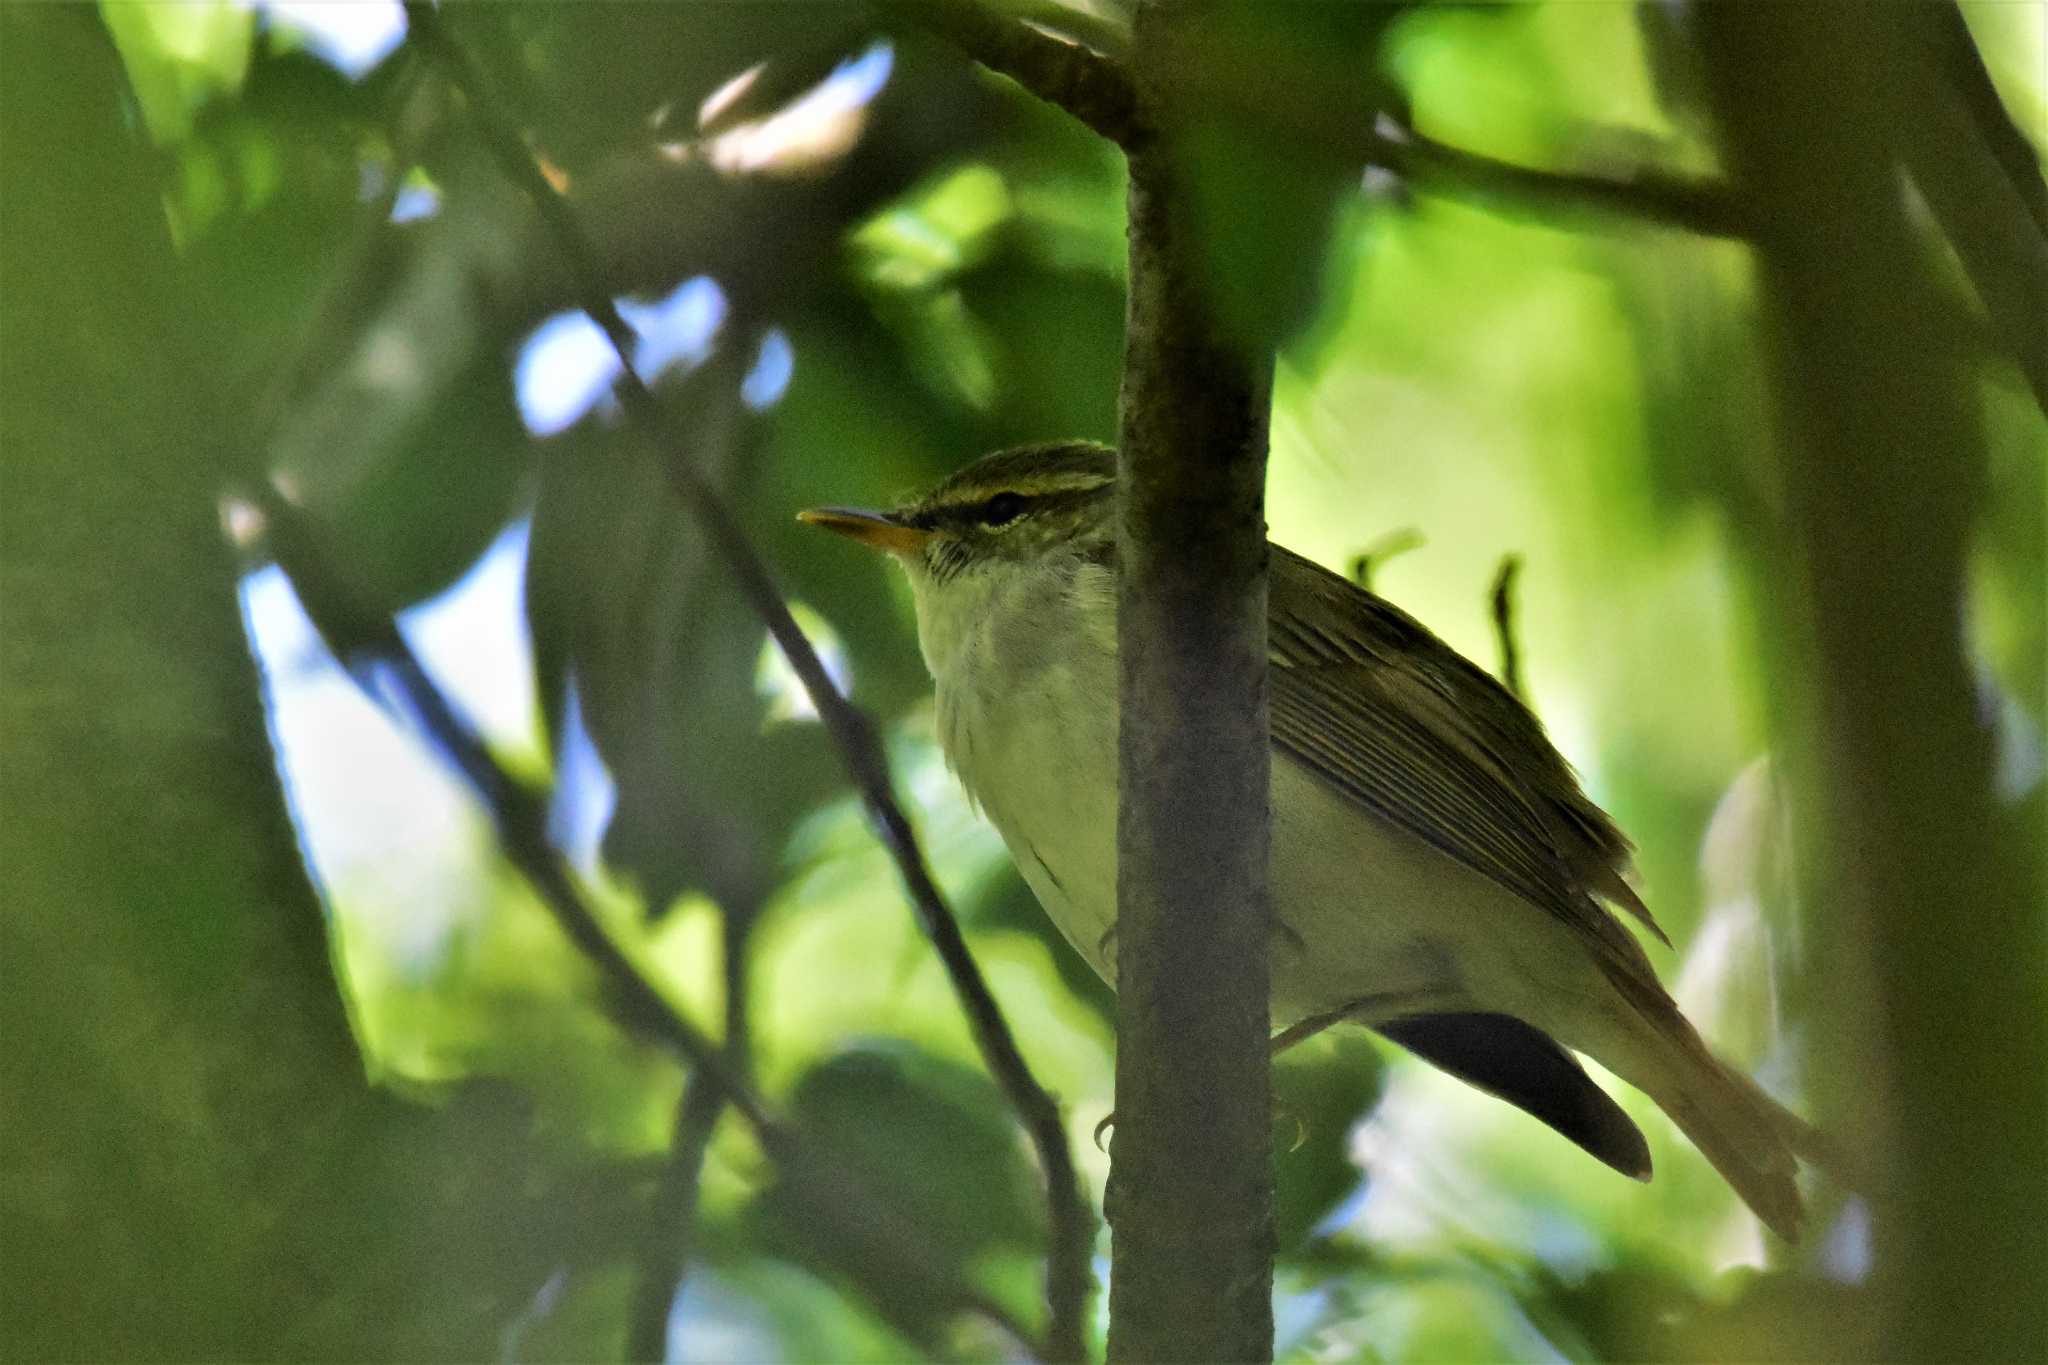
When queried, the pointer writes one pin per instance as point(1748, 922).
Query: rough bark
point(1927, 953)
point(1192, 1183)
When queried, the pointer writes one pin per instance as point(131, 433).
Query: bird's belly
point(1050, 791)
point(1361, 909)
point(1365, 911)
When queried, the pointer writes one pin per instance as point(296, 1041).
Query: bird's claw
point(1282, 1111)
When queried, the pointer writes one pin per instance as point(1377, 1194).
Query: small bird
point(1436, 873)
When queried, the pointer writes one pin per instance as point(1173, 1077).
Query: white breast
point(1025, 691)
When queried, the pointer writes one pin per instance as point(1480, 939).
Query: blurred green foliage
point(202, 291)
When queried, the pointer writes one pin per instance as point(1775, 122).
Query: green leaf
point(932, 1142)
point(180, 57)
point(1321, 1090)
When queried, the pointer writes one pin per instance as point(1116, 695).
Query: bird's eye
point(1002, 509)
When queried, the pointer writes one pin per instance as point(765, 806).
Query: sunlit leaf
point(180, 57)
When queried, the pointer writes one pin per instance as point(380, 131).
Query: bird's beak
point(879, 529)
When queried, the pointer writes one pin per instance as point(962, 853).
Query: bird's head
point(1036, 508)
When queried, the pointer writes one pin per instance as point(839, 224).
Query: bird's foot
point(1280, 1111)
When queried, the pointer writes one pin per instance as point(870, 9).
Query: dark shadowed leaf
point(1320, 1091)
point(932, 1142)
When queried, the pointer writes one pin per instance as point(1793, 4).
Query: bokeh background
point(298, 1064)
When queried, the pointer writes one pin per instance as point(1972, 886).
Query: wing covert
point(1367, 698)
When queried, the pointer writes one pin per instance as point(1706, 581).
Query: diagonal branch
point(1951, 50)
point(1067, 1274)
point(1958, 144)
point(362, 639)
point(1092, 87)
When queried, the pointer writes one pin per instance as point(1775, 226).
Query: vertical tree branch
point(1193, 1214)
point(1928, 928)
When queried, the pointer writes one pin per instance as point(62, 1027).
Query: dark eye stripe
point(1045, 498)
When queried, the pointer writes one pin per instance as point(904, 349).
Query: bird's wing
point(1367, 698)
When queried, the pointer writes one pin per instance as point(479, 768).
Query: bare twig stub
point(1326, 104)
point(1504, 624)
point(1374, 556)
point(1646, 195)
point(1068, 1276)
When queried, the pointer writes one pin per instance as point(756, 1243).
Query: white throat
point(1024, 667)
point(1003, 630)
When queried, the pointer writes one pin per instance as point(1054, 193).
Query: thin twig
point(1087, 84)
point(1191, 1159)
point(1323, 105)
point(1369, 561)
point(1068, 1277)
point(1504, 624)
point(1326, 106)
point(1651, 195)
point(671, 1224)
point(671, 1220)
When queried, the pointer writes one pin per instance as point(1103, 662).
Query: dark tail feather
point(1522, 1065)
